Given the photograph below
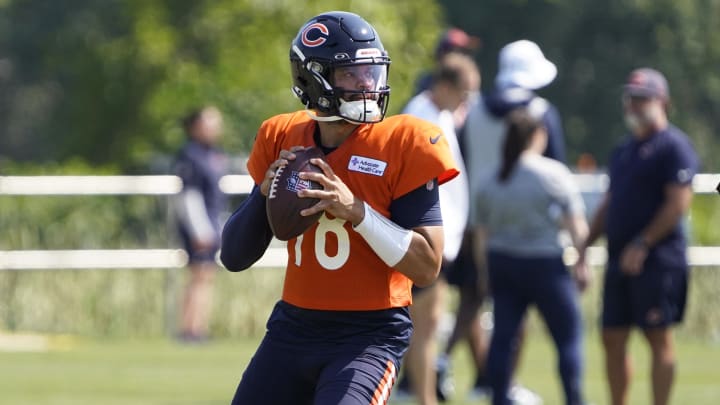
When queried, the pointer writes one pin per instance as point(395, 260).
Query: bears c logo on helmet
point(321, 38)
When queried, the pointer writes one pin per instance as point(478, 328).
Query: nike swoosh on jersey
point(435, 139)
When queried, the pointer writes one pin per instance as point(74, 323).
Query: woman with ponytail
point(525, 213)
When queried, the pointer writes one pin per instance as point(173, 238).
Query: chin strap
point(366, 111)
point(354, 112)
point(313, 115)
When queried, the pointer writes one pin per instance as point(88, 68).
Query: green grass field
point(162, 372)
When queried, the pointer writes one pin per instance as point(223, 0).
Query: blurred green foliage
point(108, 80)
point(595, 45)
point(704, 214)
point(131, 303)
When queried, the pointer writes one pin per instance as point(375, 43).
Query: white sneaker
point(479, 394)
point(520, 395)
point(445, 388)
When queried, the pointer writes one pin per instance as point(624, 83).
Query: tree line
point(595, 44)
point(106, 81)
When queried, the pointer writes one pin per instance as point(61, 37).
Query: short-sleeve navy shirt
point(640, 170)
point(201, 167)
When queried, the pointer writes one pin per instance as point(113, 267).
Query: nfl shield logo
point(296, 184)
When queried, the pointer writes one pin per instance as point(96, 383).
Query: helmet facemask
point(356, 92)
point(361, 92)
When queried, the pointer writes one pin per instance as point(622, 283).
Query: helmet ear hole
point(324, 102)
point(315, 67)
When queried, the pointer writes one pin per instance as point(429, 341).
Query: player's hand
point(581, 271)
point(283, 158)
point(203, 245)
point(632, 259)
point(335, 197)
point(582, 275)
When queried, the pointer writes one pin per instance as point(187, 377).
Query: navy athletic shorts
point(311, 357)
point(195, 256)
point(461, 272)
point(653, 299)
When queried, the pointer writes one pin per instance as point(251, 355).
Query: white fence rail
point(231, 184)
point(703, 183)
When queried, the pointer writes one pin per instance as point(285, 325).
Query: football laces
point(273, 185)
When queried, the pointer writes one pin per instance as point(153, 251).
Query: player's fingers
point(270, 173)
point(631, 267)
point(287, 154)
point(290, 154)
point(581, 277)
point(320, 206)
point(316, 177)
point(319, 194)
point(625, 262)
point(324, 166)
point(626, 267)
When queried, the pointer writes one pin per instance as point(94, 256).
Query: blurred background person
point(453, 81)
point(200, 164)
point(522, 69)
point(523, 211)
point(453, 40)
point(641, 215)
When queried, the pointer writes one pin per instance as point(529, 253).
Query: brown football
point(283, 203)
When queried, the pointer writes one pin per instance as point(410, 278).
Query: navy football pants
point(311, 361)
point(516, 283)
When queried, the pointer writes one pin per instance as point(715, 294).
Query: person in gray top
point(527, 214)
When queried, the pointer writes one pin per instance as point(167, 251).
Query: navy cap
point(647, 82)
point(455, 39)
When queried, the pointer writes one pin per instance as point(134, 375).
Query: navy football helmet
point(342, 47)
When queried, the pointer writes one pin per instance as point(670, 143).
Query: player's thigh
point(427, 307)
point(658, 296)
point(362, 379)
point(275, 376)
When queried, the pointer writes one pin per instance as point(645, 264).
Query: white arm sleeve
point(191, 211)
point(386, 238)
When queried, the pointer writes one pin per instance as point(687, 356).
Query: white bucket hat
point(522, 64)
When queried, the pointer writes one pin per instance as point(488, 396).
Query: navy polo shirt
point(639, 172)
point(201, 167)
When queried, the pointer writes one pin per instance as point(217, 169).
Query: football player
point(342, 325)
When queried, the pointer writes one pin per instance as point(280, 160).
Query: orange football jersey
point(330, 266)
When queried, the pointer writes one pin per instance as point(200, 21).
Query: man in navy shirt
point(642, 212)
point(200, 164)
